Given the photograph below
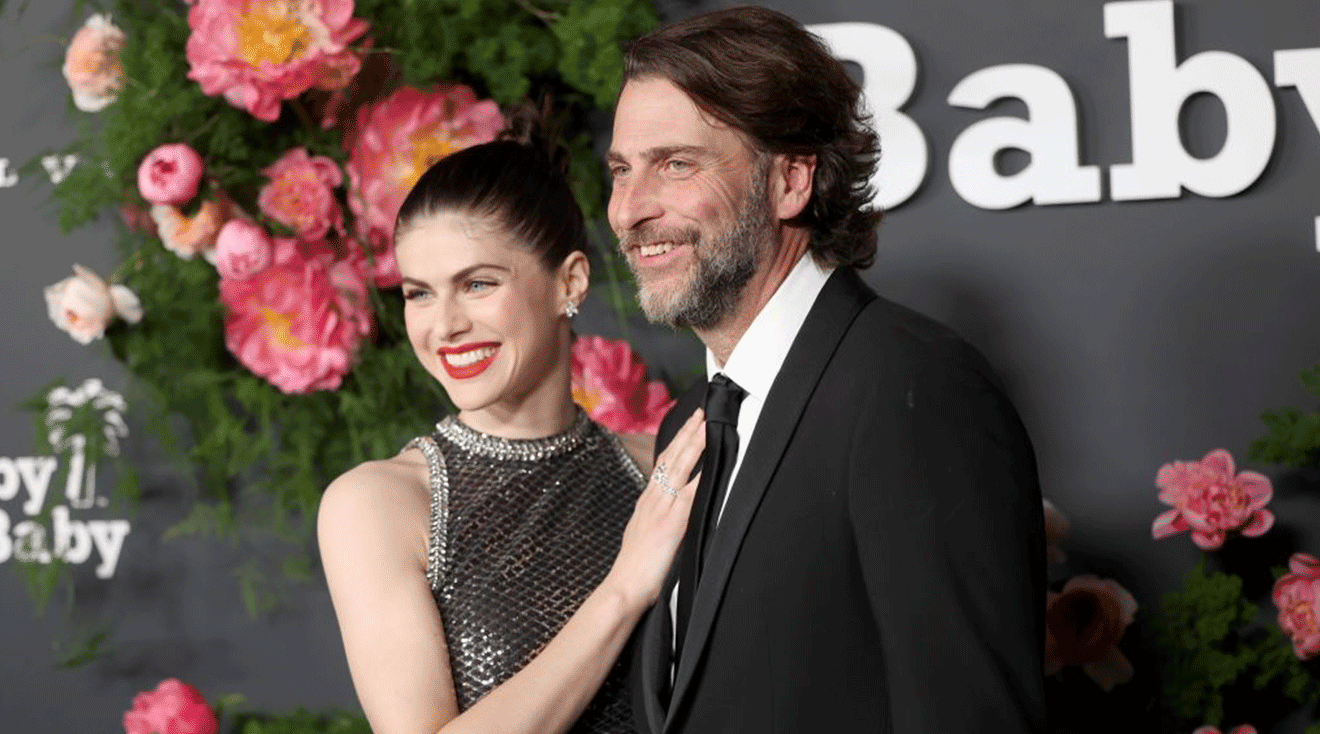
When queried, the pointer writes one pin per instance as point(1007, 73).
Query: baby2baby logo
point(30, 534)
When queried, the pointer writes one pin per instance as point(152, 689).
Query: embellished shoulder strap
point(438, 477)
point(625, 459)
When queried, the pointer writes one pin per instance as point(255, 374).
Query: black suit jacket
point(879, 566)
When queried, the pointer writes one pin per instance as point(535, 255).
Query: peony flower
point(84, 305)
point(609, 382)
point(1083, 624)
point(170, 174)
point(300, 194)
point(1211, 500)
point(242, 250)
point(1297, 595)
point(258, 53)
point(173, 708)
point(292, 324)
point(1056, 529)
point(1244, 729)
point(91, 64)
point(397, 139)
point(187, 236)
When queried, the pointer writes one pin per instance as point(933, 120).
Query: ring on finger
point(661, 479)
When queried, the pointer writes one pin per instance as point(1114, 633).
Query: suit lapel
point(651, 667)
point(838, 304)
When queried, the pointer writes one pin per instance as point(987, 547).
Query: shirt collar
point(759, 354)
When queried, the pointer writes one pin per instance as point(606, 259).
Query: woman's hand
point(659, 520)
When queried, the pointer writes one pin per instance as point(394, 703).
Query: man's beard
point(724, 263)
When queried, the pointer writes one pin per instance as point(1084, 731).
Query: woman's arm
point(394, 638)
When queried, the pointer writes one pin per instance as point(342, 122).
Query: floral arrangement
point(257, 152)
point(174, 707)
point(1222, 654)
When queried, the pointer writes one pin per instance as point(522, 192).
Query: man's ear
point(574, 277)
point(791, 184)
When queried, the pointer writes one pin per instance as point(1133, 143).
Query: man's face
point(689, 205)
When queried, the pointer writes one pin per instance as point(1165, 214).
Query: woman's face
point(484, 314)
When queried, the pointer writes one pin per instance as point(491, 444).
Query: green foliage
point(260, 458)
point(1213, 649)
point(300, 721)
point(1293, 436)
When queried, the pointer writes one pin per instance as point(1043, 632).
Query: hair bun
point(535, 126)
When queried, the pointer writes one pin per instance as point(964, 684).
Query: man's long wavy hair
point(762, 73)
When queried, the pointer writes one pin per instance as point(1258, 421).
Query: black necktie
point(723, 397)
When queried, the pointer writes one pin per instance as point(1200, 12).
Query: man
point(865, 551)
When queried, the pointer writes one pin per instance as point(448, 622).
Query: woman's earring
point(571, 310)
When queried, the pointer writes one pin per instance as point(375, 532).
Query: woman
point(471, 574)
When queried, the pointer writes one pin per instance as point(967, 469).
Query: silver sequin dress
point(522, 530)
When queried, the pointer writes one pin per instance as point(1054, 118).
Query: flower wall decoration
point(257, 152)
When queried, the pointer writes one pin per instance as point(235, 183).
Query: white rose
point(84, 305)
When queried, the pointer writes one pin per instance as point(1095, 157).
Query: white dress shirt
point(758, 356)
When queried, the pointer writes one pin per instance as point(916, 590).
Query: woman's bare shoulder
point(385, 498)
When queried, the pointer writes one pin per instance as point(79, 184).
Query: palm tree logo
point(88, 421)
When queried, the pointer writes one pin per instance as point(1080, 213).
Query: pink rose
point(173, 708)
point(1211, 500)
point(187, 236)
point(300, 194)
point(292, 324)
point(1056, 529)
point(258, 53)
point(1244, 729)
point(84, 305)
point(170, 174)
point(397, 139)
point(1297, 595)
point(1083, 625)
point(242, 250)
point(91, 64)
point(609, 382)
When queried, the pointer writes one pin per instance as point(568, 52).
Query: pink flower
point(397, 140)
point(187, 236)
point(173, 708)
point(84, 305)
point(1210, 499)
point(1056, 529)
point(292, 324)
point(1244, 729)
point(1083, 625)
point(300, 194)
point(1297, 595)
point(609, 382)
point(91, 64)
point(170, 174)
point(242, 250)
point(258, 53)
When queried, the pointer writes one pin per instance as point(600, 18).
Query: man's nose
point(634, 200)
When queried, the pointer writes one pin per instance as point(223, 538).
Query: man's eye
point(678, 166)
point(618, 171)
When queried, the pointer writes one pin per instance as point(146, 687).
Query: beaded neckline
point(515, 449)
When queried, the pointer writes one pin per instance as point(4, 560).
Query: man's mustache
point(645, 235)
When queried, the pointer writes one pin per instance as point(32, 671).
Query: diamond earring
point(571, 309)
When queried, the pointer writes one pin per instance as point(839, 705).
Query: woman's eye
point(413, 294)
point(477, 286)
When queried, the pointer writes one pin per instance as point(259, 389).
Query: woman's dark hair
point(518, 181)
point(762, 73)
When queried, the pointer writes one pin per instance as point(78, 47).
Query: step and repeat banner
point(1117, 202)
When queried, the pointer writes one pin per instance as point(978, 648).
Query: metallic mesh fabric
point(529, 528)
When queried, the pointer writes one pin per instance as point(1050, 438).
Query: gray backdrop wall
point(1130, 333)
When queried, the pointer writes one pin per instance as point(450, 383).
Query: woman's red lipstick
point(463, 372)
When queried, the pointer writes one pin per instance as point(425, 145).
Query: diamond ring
point(661, 478)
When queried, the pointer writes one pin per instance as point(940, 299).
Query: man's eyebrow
point(659, 153)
